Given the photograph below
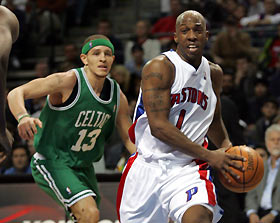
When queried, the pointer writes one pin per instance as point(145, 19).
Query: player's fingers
point(21, 132)
point(38, 122)
point(237, 166)
point(30, 133)
point(233, 174)
point(33, 127)
point(224, 172)
point(236, 157)
point(25, 131)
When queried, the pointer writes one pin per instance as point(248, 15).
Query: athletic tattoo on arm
point(154, 98)
point(149, 75)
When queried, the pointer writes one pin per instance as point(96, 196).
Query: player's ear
point(84, 59)
point(175, 38)
point(207, 35)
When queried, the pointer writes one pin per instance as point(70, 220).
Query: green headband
point(97, 42)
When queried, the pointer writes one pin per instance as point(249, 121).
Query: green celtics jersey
point(75, 134)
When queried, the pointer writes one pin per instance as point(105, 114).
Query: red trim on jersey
point(205, 144)
point(122, 181)
point(209, 185)
point(131, 132)
point(203, 171)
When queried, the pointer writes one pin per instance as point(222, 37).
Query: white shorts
point(153, 192)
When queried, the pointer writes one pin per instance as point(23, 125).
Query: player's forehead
point(190, 19)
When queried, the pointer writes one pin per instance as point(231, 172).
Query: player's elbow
point(10, 95)
point(13, 95)
point(157, 129)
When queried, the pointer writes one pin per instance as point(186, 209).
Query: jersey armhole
point(72, 99)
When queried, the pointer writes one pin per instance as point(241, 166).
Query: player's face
point(191, 36)
point(273, 143)
point(100, 60)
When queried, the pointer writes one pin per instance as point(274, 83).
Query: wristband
point(23, 116)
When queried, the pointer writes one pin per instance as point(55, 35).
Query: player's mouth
point(103, 67)
point(192, 48)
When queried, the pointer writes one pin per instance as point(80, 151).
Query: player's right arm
point(58, 86)
point(157, 79)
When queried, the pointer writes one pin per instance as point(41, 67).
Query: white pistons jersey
point(193, 104)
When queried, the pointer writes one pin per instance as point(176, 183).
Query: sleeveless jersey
point(193, 103)
point(75, 134)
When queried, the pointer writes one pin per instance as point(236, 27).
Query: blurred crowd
point(250, 93)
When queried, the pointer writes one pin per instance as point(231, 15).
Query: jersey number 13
point(86, 147)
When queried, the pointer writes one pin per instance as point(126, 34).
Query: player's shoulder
point(67, 74)
point(158, 59)
point(159, 66)
point(216, 73)
point(65, 79)
point(215, 69)
point(160, 62)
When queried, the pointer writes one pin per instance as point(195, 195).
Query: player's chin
point(192, 56)
point(101, 74)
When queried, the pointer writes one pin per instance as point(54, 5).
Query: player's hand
point(27, 127)
point(222, 161)
point(254, 218)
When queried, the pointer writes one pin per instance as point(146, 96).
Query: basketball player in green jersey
point(9, 31)
point(82, 107)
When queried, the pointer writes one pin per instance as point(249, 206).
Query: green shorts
point(64, 184)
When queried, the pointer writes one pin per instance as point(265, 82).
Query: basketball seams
point(255, 172)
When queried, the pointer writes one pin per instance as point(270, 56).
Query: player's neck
point(95, 81)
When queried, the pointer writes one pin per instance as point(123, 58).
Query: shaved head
point(190, 13)
point(191, 36)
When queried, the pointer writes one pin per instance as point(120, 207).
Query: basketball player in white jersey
point(179, 104)
point(9, 31)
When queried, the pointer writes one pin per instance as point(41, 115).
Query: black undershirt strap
point(105, 93)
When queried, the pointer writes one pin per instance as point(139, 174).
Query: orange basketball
point(252, 175)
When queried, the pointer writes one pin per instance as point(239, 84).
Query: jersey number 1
point(85, 147)
point(181, 118)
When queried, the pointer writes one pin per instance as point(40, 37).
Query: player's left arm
point(217, 132)
point(124, 122)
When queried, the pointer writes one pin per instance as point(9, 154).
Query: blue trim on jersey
point(139, 110)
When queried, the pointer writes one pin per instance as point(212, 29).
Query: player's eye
point(108, 53)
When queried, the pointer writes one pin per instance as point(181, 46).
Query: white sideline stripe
point(66, 202)
point(86, 195)
point(79, 194)
point(51, 182)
